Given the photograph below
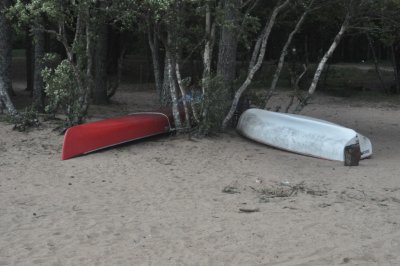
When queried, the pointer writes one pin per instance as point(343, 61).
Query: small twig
point(231, 190)
point(249, 210)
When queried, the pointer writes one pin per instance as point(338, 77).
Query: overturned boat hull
point(301, 134)
point(92, 136)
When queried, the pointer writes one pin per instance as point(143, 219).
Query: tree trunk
point(256, 59)
point(5, 48)
point(171, 60)
point(396, 66)
point(113, 85)
point(208, 50)
point(207, 60)
point(295, 80)
point(5, 61)
point(325, 81)
point(306, 51)
point(283, 55)
point(228, 43)
point(173, 90)
point(322, 63)
point(117, 46)
point(165, 96)
point(30, 64)
point(376, 63)
point(89, 52)
point(183, 92)
point(155, 56)
point(5, 101)
point(38, 84)
point(100, 66)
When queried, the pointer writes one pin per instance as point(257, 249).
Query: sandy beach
point(222, 200)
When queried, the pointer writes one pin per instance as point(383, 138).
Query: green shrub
point(24, 120)
point(214, 106)
point(63, 91)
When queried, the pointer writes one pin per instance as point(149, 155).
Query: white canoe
point(301, 134)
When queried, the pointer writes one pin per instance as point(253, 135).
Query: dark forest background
point(204, 58)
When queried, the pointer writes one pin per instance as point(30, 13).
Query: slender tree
point(207, 57)
point(376, 63)
point(389, 25)
point(39, 53)
point(257, 57)
point(100, 53)
point(29, 55)
point(322, 63)
point(5, 60)
point(6, 48)
point(155, 55)
point(100, 65)
point(67, 85)
point(171, 55)
point(228, 44)
point(285, 51)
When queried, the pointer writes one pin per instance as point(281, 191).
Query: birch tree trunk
point(171, 60)
point(322, 63)
point(207, 60)
point(173, 91)
point(208, 49)
point(256, 60)
point(183, 92)
point(283, 55)
point(5, 101)
point(165, 97)
point(155, 56)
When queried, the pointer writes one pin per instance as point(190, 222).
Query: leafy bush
point(63, 91)
point(214, 106)
point(25, 120)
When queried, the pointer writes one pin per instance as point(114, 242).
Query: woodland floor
point(177, 201)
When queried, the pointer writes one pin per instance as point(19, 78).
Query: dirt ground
point(222, 200)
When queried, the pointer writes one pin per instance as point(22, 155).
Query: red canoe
point(105, 133)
